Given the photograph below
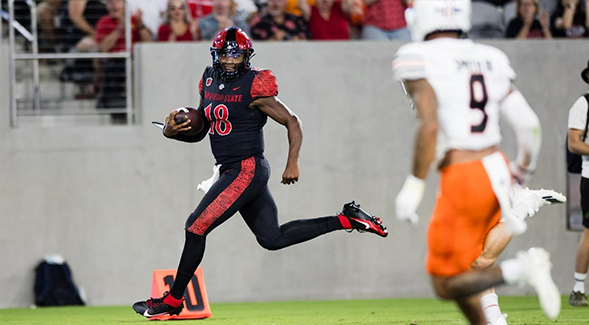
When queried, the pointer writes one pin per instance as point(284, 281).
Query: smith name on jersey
point(236, 128)
point(469, 81)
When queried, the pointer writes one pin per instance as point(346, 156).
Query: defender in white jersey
point(460, 89)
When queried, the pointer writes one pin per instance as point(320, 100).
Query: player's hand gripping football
point(171, 128)
point(291, 174)
point(409, 199)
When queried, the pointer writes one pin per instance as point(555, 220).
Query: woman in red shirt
point(178, 26)
point(327, 19)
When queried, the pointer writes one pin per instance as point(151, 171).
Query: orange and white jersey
point(469, 81)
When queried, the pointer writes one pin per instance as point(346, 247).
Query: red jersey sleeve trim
point(264, 85)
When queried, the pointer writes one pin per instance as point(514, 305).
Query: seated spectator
point(80, 36)
point(110, 29)
point(83, 16)
point(385, 20)
point(110, 35)
point(178, 25)
point(224, 15)
point(47, 15)
point(327, 19)
point(525, 25)
point(277, 25)
point(570, 19)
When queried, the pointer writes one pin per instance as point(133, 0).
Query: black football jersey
point(236, 128)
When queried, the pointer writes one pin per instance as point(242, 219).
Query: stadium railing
point(41, 82)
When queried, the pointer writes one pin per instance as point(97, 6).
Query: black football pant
point(243, 187)
point(585, 201)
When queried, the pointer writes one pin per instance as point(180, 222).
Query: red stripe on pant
point(226, 198)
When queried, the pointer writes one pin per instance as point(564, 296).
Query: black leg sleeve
point(261, 216)
point(194, 249)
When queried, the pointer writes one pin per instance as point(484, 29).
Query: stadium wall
point(113, 200)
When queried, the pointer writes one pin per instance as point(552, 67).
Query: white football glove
point(409, 198)
point(206, 185)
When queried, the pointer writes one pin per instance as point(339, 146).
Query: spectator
point(80, 30)
point(385, 20)
point(178, 25)
point(224, 15)
point(110, 34)
point(83, 16)
point(278, 25)
point(110, 29)
point(577, 144)
point(47, 16)
point(525, 25)
point(327, 19)
point(570, 19)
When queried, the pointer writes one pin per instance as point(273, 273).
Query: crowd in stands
point(84, 25)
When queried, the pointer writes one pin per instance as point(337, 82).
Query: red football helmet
point(235, 42)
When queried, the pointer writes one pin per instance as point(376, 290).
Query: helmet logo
point(209, 81)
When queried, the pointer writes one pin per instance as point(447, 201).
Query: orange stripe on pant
point(226, 198)
point(465, 212)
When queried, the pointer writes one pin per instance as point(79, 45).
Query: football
point(197, 122)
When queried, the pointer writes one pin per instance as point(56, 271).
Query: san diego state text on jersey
point(236, 128)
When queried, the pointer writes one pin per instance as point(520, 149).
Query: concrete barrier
point(113, 200)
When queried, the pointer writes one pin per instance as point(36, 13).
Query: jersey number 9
point(478, 100)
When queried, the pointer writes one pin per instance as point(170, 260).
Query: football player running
point(236, 101)
point(459, 90)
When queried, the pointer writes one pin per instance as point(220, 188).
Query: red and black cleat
point(156, 307)
point(352, 217)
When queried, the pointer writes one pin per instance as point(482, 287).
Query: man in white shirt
point(577, 144)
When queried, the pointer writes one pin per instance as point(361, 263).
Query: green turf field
point(521, 310)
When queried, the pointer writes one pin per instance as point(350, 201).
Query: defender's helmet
point(428, 16)
point(235, 42)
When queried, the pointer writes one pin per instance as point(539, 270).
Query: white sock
point(580, 282)
point(511, 270)
point(490, 304)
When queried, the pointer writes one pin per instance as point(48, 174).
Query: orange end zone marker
point(196, 303)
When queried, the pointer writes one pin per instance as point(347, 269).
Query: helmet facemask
point(230, 45)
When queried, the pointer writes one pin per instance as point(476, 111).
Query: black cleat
point(362, 221)
point(578, 299)
point(156, 307)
